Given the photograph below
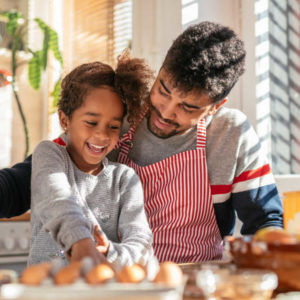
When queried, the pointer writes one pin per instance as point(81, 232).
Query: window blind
point(96, 30)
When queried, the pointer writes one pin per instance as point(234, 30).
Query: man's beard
point(157, 131)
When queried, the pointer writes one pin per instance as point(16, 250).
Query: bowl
point(284, 260)
point(237, 284)
point(8, 276)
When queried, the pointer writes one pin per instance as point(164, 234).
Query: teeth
point(97, 147)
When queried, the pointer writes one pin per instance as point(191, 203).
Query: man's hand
point(83, 248)
point(102, 242)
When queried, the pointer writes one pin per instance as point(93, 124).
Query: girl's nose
point(102, 134)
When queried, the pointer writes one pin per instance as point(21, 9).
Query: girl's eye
point(91, 123)
point(115, 127)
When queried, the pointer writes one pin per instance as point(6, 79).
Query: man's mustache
point(160, 116)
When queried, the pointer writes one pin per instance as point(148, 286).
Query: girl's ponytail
point(133, 80)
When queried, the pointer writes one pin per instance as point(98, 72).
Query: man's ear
point(217, 106)
point(63, 120)
point(221, 103)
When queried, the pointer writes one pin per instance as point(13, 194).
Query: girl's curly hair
point(131, 80)
point(207, 57)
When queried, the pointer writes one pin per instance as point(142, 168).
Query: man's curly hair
point(206, 57)
point(131, 80)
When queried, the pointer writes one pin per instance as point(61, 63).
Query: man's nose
point(168, 111)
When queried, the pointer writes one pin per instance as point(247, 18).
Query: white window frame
point(287, 182)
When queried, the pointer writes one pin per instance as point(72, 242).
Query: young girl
point(75, 188)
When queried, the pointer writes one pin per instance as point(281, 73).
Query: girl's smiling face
point(93, 129)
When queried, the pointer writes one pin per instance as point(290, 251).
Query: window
point(278, 82)
point(189, 13)
point(96, 30)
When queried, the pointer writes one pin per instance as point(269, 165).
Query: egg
point(68, 274)
point(169, 273)
point(99, 274)
point(275, 235)
point(35, 274)
point(131, 274)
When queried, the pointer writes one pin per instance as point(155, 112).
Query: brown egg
point(99, 274)
point(131, 274)
point(169, 273)
point(68, 274)
point(275, 235)
point(35, 274)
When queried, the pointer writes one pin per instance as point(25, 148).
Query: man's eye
point(188, 109)
point(91, 123)
point(161, 92)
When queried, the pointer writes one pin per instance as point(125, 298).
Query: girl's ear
point(63, 120)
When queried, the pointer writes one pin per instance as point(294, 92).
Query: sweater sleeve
point(15, 189)
point(254, 194)
point(134, 231)
point(243, 182)
point(53, 200)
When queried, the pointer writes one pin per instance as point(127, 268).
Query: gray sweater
point(66, 203)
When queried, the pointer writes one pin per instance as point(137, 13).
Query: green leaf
point(53, 39)
point(45, 49)
point(56, 93)
point(53, 45)
point(34, 70)
point(41, 23)
point(12, 20)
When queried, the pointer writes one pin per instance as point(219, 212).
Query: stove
point(14, 242)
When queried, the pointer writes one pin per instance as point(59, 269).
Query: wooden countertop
point(24, 217)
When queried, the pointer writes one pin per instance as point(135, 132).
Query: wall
point(32, 103)
point(156, 24)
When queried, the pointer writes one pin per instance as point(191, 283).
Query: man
point(199, 162)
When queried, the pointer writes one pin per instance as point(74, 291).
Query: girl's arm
point(136, 236)
point(53, 200)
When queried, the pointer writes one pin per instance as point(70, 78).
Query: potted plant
point(16, 27)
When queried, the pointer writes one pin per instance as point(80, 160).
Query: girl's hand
point(85, 248)
point(102, 242)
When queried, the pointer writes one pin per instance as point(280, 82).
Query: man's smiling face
point(173, 112)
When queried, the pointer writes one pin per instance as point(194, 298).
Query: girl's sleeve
point(136, 236)
point(53, 201)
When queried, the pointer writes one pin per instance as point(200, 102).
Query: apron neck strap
point(201, 129)
point(201, 134)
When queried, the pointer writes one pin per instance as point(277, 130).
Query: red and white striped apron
point(178, 202)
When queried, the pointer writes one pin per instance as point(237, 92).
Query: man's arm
point(15, 189)
point(254, 193)
point(240, 176)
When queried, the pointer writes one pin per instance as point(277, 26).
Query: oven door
point(14, 242)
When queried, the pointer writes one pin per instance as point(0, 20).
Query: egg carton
point(47, 289)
